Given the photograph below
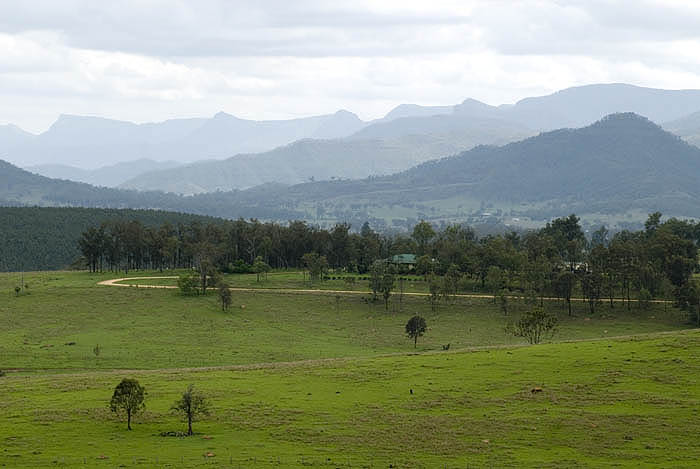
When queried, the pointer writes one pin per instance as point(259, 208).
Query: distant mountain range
point(412, 134)
point(93, 142)
point(622, 165)
point(379, 153)
point(420, 132)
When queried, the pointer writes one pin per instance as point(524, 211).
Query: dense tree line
point(46, 238)
point(556, 260)
point(234, 246)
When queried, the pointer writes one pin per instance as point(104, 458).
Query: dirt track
point(113, 283)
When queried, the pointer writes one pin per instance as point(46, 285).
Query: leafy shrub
point(239, 267)
point(188, 284)
point(535, 325)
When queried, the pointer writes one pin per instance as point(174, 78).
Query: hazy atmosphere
point(152, 60)
point(349, 234)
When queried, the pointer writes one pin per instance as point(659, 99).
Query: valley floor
point(317, 381)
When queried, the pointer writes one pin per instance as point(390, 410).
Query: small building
point(404, 262)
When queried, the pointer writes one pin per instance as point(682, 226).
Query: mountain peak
point(628, 119)
point(416, 110)
point(223, 115)
point(344, 113)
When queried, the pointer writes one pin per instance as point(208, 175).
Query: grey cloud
point(222, 28)
point(308, 28)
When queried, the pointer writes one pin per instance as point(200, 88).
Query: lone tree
point(376, 272)
point(415, 327)
point(260, 268)
point(225, 295)
point(382, 280)
point(316, 265)
point(128, 397)
point(388, 283)
point(191, 405)
point(535, 325)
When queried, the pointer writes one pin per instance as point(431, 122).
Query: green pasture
point(59, 321)
point(321, 379)
point(604, 403)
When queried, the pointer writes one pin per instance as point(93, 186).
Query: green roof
point(403, 259)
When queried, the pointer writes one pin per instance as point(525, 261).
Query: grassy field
point(621, 403)
point(324, 380)
point(64, 316)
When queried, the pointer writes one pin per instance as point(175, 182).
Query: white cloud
point(151, 60)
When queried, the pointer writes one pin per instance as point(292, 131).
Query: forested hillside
point(46, 238)
point(19, 187)
point(620, 164)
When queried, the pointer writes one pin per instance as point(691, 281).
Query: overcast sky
point(149, 60)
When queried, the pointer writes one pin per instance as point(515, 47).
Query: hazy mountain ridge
point(106, 176)
point(309, 159)
point(572, 107)
point(91, 142)
point(422, 133)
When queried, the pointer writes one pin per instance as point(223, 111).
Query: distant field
point(622, 403)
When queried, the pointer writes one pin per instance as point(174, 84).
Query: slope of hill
point(46, 238)
point(20, 188)
point(107, 176)
point(415, 110)
point(309, 159)
point(11, 137)
point(687, 127)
